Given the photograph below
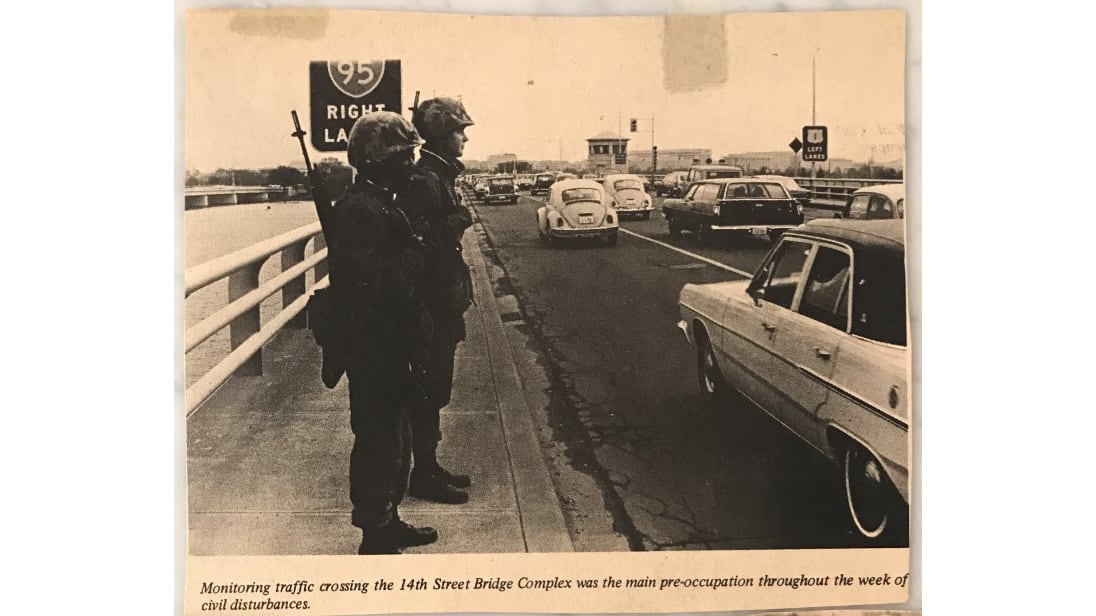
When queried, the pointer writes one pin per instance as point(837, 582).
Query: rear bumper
point(509, 197)
point(753, 229)
point(572, 232)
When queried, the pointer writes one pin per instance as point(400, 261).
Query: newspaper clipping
point(552, 314)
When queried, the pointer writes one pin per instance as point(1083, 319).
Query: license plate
point(759, 230)
point(629, 201)
point(586, 219)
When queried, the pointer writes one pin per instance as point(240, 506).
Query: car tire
point(553, 241)
point(675, 231)
point(702, 234)
point(709, 377)
point(872, 500)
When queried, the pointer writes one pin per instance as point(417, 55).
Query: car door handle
point(823, 353)
point(768, 328)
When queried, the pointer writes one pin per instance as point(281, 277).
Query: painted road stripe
point(711, 262)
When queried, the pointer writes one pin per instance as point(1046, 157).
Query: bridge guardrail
point(245, 294)
point(838, 189)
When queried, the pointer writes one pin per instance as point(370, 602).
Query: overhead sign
point(621, 158)
point(815, 143)
point(341, 91)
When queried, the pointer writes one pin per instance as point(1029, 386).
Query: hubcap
point(866, 491)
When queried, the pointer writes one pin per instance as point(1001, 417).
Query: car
point(524, 182)
point(542, 182)
point(627, 195)
point(670, 184)
point(500, 188)
point(818, 340)
point(479, 189)
point(732, 205)
point(577, 208)
point(800, 194)
point(876, 202)
point(708, 171)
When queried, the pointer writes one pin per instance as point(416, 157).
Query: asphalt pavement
point(621, 401)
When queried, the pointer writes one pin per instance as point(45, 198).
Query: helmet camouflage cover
point(437, 117)
point(376, 136)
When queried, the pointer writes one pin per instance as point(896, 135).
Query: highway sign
point(341, 91)
point(815, 145)
point(796, 145)
point(621, 158)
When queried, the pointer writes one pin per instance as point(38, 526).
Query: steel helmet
point(437, 117)
point(376, 136)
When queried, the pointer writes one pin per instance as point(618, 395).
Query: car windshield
point(542, 178)
point(627, 185)
point(501, 182)
point(580, 194)
point(756, 191)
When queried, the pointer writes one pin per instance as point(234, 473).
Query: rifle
point(322, 316)
point(319, 191)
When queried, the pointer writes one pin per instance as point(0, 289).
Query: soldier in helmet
point(439, 215)
point(376, 269)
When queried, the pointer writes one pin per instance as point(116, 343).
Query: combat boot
point(457, 481)
point(411, 536)
point(433, 487)
point(378, 541)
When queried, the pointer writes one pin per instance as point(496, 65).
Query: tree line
point(337, 176)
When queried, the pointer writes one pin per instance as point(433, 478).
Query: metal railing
point(838, 189)
point(241, 315)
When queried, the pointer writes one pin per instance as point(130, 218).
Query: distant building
point(508, 161)
point(668, 160)
point(608, 153)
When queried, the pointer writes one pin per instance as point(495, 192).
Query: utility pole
point(813, 99)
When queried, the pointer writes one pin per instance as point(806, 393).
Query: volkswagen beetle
point(627, 196)
point(577, 208)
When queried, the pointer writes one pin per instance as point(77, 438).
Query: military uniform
point(434, 205)
point(376, 267)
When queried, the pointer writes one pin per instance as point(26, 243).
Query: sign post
point(341, 91)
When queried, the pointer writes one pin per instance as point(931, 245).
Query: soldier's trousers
point(380, 461)
point(426, 418)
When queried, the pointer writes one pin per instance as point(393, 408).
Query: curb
point(542, 523)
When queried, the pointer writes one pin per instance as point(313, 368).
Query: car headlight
point(715, 210)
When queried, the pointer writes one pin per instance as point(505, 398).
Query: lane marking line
point(712, 262)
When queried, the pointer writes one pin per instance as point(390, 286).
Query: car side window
point(707, 192)
point(880, 208)
point(826, 293)
point(858, 209)
point(901, 208)
point(692, 191)
point(784, 271)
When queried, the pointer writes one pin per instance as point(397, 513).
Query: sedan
point(817, 339)
point(577, 208)
point(800, 194)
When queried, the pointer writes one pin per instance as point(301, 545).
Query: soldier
point(435, 205)
point(376, 267)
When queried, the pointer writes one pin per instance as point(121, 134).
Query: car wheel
point(675, 231)
point(553, 241)
point(702, 234)
point(868, 493)
point(708, 374)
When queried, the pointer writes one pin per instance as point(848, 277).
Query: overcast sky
point(539, 85)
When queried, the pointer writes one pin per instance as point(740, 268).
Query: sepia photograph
point(590, 296)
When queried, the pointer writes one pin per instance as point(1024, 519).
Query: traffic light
point(654, 158)
point(633, 125)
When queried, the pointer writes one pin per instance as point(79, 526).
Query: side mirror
point(757, 294)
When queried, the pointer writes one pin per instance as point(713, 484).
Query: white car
point(627, 195)
point(817, 339)
point(577, 208)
